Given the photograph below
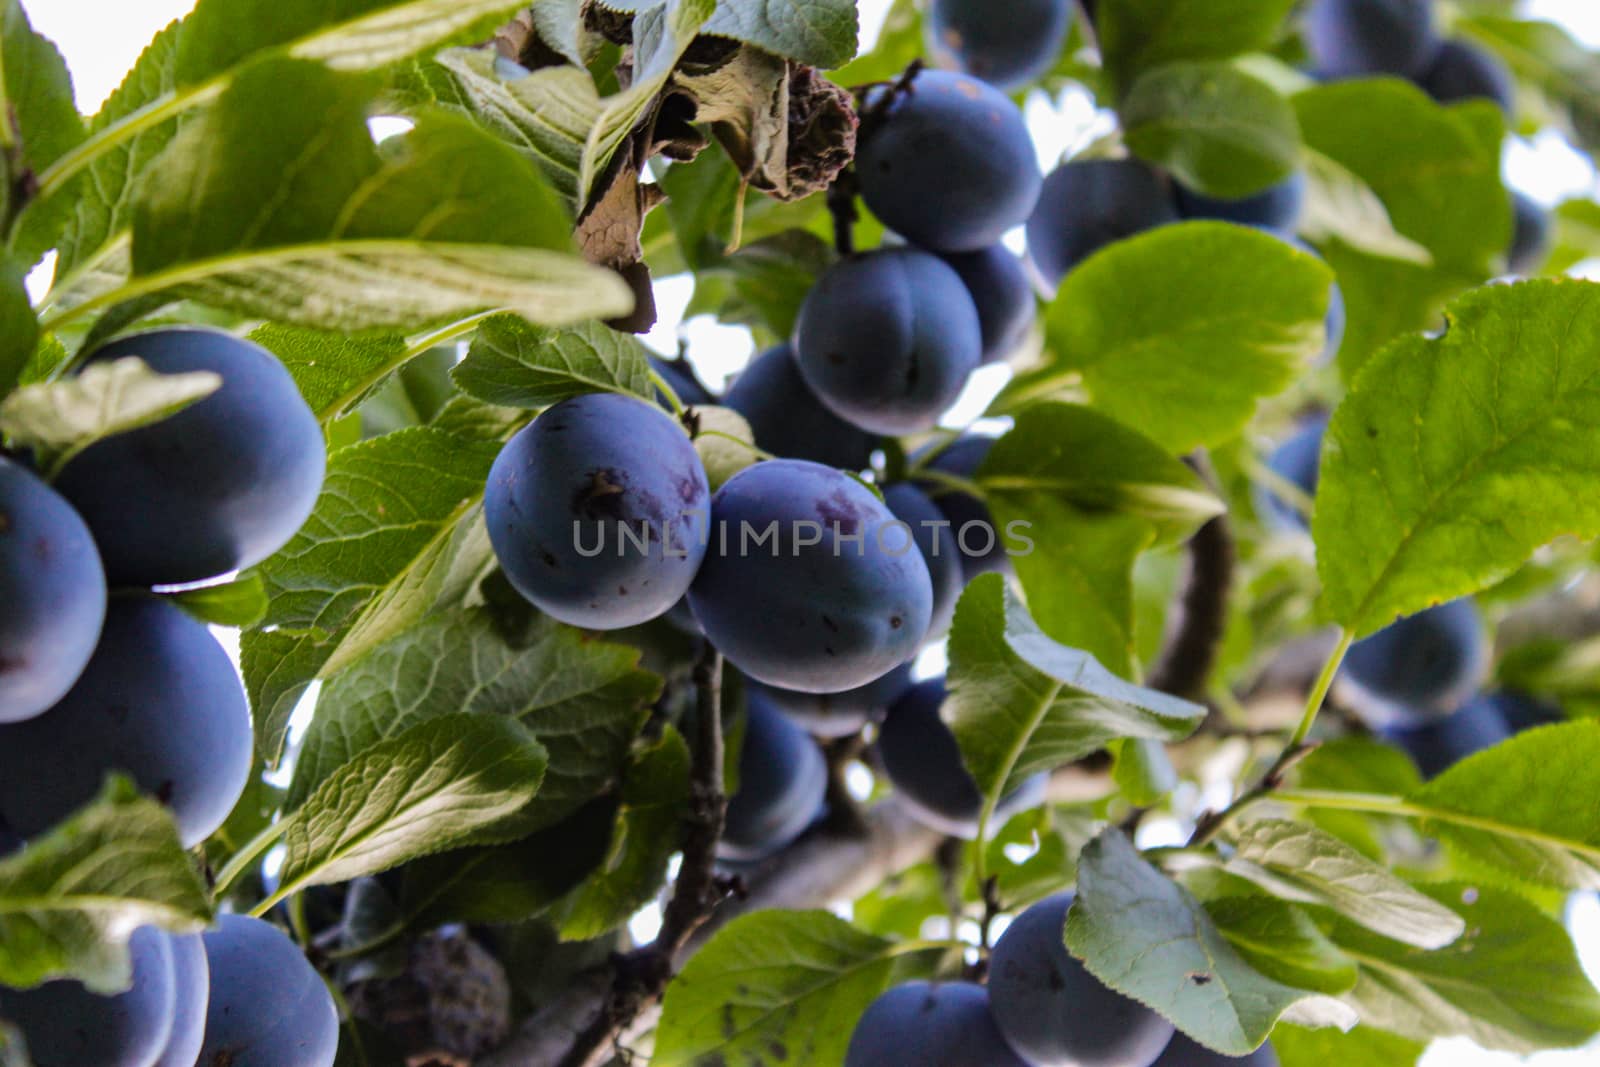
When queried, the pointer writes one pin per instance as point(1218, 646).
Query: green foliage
point(516, 365)
point(1138, 35)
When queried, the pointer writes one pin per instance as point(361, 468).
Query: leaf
point(1136, 35)
point(1545, 54)
point(334, 371)
point(514, 364)
point(1146, 937)
point(1476, 449)
point(72, 898)
point(1299, 1047)
point(19, 330)
point(441, 784)
point(1218, 129)
point(1303, 864)
point(1513, 982)
point(818, 33)
point(1181, 331)
point(1021, 703)
point(777, 986)
point(239, 603)
point(37, 92)
point(1280, 940)
point(1339, 204)
point(60, 419)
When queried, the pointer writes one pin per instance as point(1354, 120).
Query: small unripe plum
point(840, 714)
point(782, 781)
point(1362, 38)
point(949, 164)
point(1088, 204)
point(269, 1007)
point(1530, 235)
point(1186, 1052)
point(192, 992)
point(936, 540)
point(678, 374)
point(887, 340)
point(1416, 670)
point(217, 487)
point(805, 586)
point(1006, 50)
point(946, 1024)
point(1275, 208)
point(970, 518)
point(598, 510)
point(923, 762)
point(1003, 295)
point(65, 1025)
point(160, 702)
point(1462, 70)
point(1296, 460)
point(52, 595)
point(1053, 1011)
point(787, 418)
point(1437, 746)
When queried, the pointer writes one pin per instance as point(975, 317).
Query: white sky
point(102, 38)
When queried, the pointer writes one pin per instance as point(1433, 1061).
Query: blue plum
point(598, 511)
point(1053, 1011)
point(787, 418)
point(948, 164)
point(924, 764)
point(65, 1025)
point(1274, 208)
point(52, 595)
point(782, 781)
point(1462, 70)
point(1297, 460)
point(191, 993)
point(936, 540)
point(160, 702)
point(887, 340)
point(1437, 746)
point(1088, 204)
point(840, 714)
point(269, 1007)
point(1003, 295)
point(806, 586)
point(1417, 670)
point(1185, 1052)
point(1361, 38)
point(1007, 52)
point(678, 374)
point(971, 523)
point(947, 1024)
point(219, 486)
point(1521, 711)
point(1530, 235)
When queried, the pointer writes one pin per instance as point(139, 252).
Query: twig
point(1185, 667)
point(842, 206)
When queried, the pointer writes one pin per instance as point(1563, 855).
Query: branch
point(1185, 667)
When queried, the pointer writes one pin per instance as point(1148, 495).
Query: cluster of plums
point(101, 675)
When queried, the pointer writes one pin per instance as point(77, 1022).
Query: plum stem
point(1186, 666)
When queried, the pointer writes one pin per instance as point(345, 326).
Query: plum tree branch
point(1186, 665)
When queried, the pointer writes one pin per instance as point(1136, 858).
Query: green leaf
point(334, 371)
point(1181, 331)
point(1136, 35)
point(1340, 205)
point(441, 784)
point(19, 330)
point(1218, 129)
point(1299, 1047)
point(60, 419)
point(1146, 937)
point(71, 899)
point(1513, 982)
point(240, 603)
point(583, 699)
point(777, 986)
point(818, 33)
point(1512, 806)
point(1021, 703)
point(514, 364)
point(1545, 54)
point(39, 110)
point(1280, 940)
point(1479, 446)
point(655, 796)
point(1303, 864)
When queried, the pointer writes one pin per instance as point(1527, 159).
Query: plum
point(1530, 236)
point(787, 418)
point(1297, 460)
point(269, 1007)
point(1185, 1052)
point(192, 992)
point(1462, 70)
point(1001, 292)
point(1090, 203)
point(936, 540)
point(1361, 38)
point(65, 1025)
point(219, 486)
point(52, 595)
point(1437, 746)
point(782, 781)
point(840, 714)
point(1053, 1011)
point(1522, 711)
point(948, 163)
point(1417, 670)
point(971, 523)
point(806, 585)
point(946, 1024)
point(680, 375)
point(924, 764)
point(1007, 52)
point(598, 511)
point(887, 340)
point(1275, 208)
point(160, 702)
